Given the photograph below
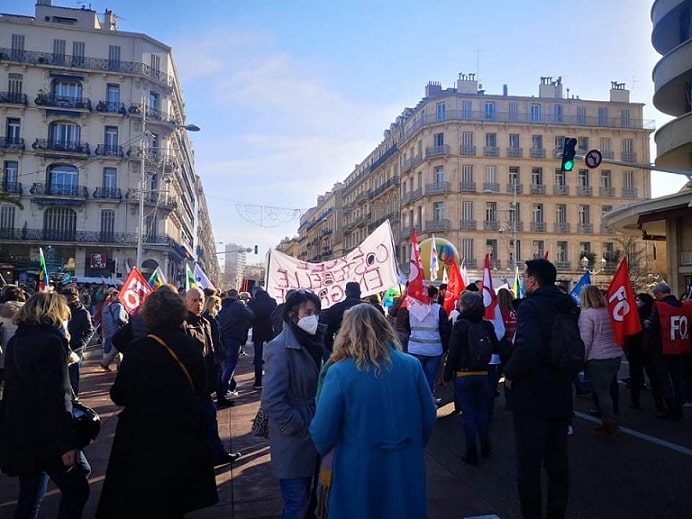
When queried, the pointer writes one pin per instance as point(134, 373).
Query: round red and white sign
point(593, 158)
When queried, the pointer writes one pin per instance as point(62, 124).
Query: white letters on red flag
point(455, 286)
point(134, 290)
point(417, 300)
point(622, 307)
point(492, 312)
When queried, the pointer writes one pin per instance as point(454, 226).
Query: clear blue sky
point(290, 95)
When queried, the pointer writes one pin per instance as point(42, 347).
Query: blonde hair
point(212, 305)
point(592, 297)
point(365, 336)
point(44, 308)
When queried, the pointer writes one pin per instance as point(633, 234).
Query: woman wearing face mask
point(292, 362)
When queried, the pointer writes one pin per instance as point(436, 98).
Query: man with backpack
point(540, 380)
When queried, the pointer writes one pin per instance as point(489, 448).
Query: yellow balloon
point(446, 254)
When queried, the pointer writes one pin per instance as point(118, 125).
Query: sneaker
point(570, 430)
point(231, 394)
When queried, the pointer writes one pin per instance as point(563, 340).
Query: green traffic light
point(569, 165)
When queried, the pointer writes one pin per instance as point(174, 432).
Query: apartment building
point(483, 171)
point(95, 150)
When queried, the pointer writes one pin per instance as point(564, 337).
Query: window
point(628, 146)
point(535, 113)
point(467, 210)
point(559, 142)
point(584, 214)
point(59, 51)
point(439, 140)
point(514, 140)
point(63, 180)
point(583, 143)
point(605, 179)
point(537, 141)
point(7, 216)
point(562, 252)
point(491, 140)
point(602, 116)
point(609, 251)
point(14, 85)
point(439, 174)
point(64, 88)
point(419, 178)
point(466, 109)
point(13, 130)
point(113, 57)
point(108, 225)
point(537, 176)
point(467, 174)
point(514, 175)
point(628, 179)
point(561, 213)
point(557, 113)
point(439, 211)
point(560, 178)
point(64, 135)
point(585, 248)
point(491, 211)
point(467, 249)
point(440, 111)
point(514, 211)
point(606, 209)
point(111, 139)
point(491, 248)
point(489, 110)
point(490, 174)
point(581, 115)
point(537, 213)
point(605, 146)
point(113, 96)
point(625, 118)
point(513, 111)
point(78, 53)
point(110, 178)
point(60, 224)
point(155, 62)
point(466, 140)
point(538, 247)
point(583, 177)
point(17, 46)
point(11, 176)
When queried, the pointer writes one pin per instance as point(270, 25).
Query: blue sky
point(291, 94)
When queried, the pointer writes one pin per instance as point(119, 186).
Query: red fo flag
point(492, 312)
point(133, 292)
point(621, 305)
point(455, 286)
point(416, 276)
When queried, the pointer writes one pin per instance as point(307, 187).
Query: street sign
point(593, 159)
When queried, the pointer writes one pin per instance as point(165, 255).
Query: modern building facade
point(669, 217)
point(94, 147)
point(483, 171)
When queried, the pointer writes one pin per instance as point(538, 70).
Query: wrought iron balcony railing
point(111, 108)
point(81, 148)
point(77, 103)
point(12, 144)
point(13, 98)
point(108, 193)
point(69, 190)
point(109, 150)
point(13, 188)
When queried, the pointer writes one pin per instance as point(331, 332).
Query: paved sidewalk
point(247, 488)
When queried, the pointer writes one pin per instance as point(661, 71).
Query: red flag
point(455, 286)
point(621, 305)
point(492, 312)
point(133, 292)
point(545, 256)
point(416, 276)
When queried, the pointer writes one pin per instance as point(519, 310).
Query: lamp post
point(143, 179)
point(585, 264)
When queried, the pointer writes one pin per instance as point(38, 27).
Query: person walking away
point(375, 410)
point(668, 326)
point(36, 433)
point(471, 345)
point(81, 331)
point(113, 317)
point(505, 302)
point(638, 349)
point(541, 395)
point(335, 314)
point(235, 319)
point(292, 363)
point(262, 306)
point(603, 355)
point(199, 328)
point(429, 337)
point(159, 464)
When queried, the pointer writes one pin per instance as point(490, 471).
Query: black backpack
point(566, 348)
point(480, 346)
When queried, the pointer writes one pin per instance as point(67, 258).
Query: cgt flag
point(621, 305)
point(455, 286)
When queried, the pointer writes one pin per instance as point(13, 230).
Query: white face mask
point(309, 323)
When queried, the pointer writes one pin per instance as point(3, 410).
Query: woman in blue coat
point(376, 411)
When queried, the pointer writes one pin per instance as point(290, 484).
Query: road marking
point(641, 436)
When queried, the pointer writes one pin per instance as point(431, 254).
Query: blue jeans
point(430, 366)
point(296, 495)
point(472, 394)
point(232, 353)
point(209, 415)
point(73, 485)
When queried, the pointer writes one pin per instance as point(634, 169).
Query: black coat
point(80, 327)
point(262, 305)
point(37, 422)
point(458, 342)
point(160, 464)
point(235, 319)
point(335, 314)
point(538, 388)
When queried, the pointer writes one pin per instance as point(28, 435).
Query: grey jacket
point(288, 399)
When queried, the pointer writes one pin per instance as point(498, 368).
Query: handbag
point(86, 423)
point(260, 424)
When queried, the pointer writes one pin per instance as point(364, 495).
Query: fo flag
point(133, 292)
point(621, 305)
point(417, 299)
point(455, 286)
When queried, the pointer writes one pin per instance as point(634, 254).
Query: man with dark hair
point(81, 330)
point(335, 314)
point(235, 319)
point(541, 394)
point(442, 293)
point(262, 305)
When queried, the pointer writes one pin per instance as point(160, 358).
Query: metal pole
point(143, 179)
point(639, 165)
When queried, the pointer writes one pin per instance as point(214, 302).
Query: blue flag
point(584, 281)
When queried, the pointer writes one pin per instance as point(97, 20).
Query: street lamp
point(143, 179)
point(585, 264)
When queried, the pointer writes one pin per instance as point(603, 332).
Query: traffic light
point(255, 249)
point(568, 153)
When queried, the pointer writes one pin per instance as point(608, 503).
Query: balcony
point(584, 190)
point(607, 154)
point(470, 263)
point(606, 229)
point(69, 190)
point(12, 98)
point(491, 225)
point(629, 192)
point(491, 151)
point(686, 258)
point(537, 153)
point(584, 228)
point(71, 147)
point(107, 107)
point(607, 192)
point(12, 144)
point(411, 196)
point(107, 193)
point(411, 162)
point(515, 152)
point(158, 198)
point(467, 225)
point(515, 189)
point(109, 150)
point(405, 232)
point(538, 226)
point(561, 190)
point(493, 187)
point(537, 189)
point(437, 188)
point(628, 157)
point(63, 102)
point(467, 150)
point(563, 266)
point(11, 188)
point(467, 187)
point(437, 151)
point(513, 226)
point(561, 227)
point(436, 225)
